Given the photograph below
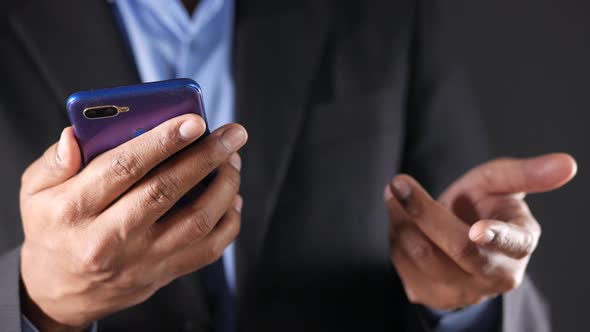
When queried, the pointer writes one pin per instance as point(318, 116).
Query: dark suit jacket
point(337, 96)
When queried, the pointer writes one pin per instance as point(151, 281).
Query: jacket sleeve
point(10, 312)
point(11, 317)
point(483, 317)
point(524, 309)
point(445, 135)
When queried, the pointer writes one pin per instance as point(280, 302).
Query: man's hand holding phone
point(93, 244)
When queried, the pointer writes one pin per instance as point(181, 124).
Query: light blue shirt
point(168, 43)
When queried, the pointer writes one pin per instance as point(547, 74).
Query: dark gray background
point(530, 64)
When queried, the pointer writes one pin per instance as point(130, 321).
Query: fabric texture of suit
point(337, 97)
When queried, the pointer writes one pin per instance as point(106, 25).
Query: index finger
point(509, 175)
point(115, 171)
point(442, 227)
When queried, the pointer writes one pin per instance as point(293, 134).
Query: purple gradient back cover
point(149, 105)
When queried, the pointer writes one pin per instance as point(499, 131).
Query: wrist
point(31, 309)
point(39, 318)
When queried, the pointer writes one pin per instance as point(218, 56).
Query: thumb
point(59, 163)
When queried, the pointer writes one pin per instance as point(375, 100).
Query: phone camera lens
point(100, 112)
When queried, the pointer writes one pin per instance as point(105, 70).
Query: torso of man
point(331, 117)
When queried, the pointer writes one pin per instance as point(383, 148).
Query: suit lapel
point(76, 45)
point(276, 53)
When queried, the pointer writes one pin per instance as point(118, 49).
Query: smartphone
point(103, 119)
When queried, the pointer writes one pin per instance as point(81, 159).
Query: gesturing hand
point(93, 245)
point(476, 240)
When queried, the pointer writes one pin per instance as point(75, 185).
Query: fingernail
point(189, 129)
point(238, 203)
point(235, 161)
point(387, 194)
point(486, 237)
point(401, 189)
point(61, 148)
point(233, 138)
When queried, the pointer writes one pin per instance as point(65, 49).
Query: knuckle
point(200, 223)
point(96, 256)
point(208, 161)
point(414, 244)
point(161, 192)
point(420, 251)
point(127, 280)
point(126, 166)
point(93, 260)
point(68, 211)
point(491, 170)
point(233, 179)
point(49, 162)
point(486, 173)
point(133, 279)
point(167, 141)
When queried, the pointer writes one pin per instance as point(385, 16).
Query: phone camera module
point(101, 112)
